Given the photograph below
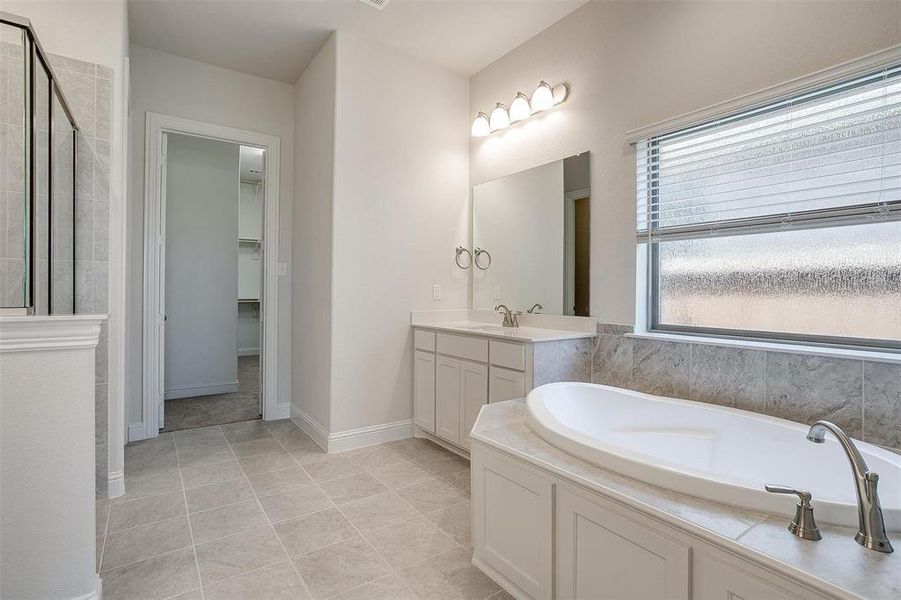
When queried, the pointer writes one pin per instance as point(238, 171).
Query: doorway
point(210, 302)
point(212, 291)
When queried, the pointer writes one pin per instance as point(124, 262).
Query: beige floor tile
point(400, 474)
point(152, 579)
point(264, 463)
point(274, 482)
point(275, 582)
point(429, 496)
point(333, 467)
point(306, 454)
point(218, 494)
point(410, 542)
point(246, 430)
point(387, 588)
point(502, 595)
point(340, 567)
point(201, 438)
point(302, 500)
point(204, 456)
point(456, 521)
point(227, 520)
point(355, 487)
point(462, 480)
point(191, 595)
point(257, 447)
point(281, 427)
point(377, 456)
point(207, 474)
point(101, 518)
point(444, 465)
point(418, 448)
point(378, 511)
point(124, 515)
point(138, 543)
point(314, 531)
point(295, 438)
point(238, 554)
point(150, 483)
point(449, 576)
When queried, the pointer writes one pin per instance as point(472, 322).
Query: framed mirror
point(531, 239)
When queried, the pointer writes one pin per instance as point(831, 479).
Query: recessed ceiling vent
point(379, 4)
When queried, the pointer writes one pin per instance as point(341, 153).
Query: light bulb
point(499, 117)
point(560, 93)
point(542, 97)
point(519, 108)
point(481, 126)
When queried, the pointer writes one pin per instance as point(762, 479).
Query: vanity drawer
point(463, 347)
point(424, 340)
point(505, 354)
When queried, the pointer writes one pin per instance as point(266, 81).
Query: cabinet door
point(716, 579)
point(505, 384)
point(513, 519)
point(447, 399)
point(473, 396)
point(424, 389)
point(603, 552)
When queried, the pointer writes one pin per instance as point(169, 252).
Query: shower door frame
point(157, 127)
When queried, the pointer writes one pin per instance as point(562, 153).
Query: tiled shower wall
point(862, 397)
point(12, 169)
point(88, 89)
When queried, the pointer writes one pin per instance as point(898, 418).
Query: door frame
point(157, 125)
point(569, 258)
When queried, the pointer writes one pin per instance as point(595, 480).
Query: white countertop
point(519, 334)
point(839, 566)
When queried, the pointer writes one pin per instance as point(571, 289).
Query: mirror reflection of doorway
point(213, 243)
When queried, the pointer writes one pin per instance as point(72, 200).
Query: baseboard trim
point(351, 439)
point(206, 389)
point(248, 351)
point(135, 432)
point(115, 484)
point(310, 426)
point(428, 435)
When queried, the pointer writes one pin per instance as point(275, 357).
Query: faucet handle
point(803, 525)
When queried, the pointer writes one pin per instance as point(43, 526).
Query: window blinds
point(827, 156)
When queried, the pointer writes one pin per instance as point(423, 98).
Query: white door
point(474, 395)
point(447, 399)
point(424, 389)
point(505, 384)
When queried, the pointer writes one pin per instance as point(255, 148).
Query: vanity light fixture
point(500, 118)
point(522, 107)
point(481, 126)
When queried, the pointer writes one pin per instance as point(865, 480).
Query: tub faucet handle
point(803, 525)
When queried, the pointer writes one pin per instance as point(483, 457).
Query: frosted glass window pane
point(839, 281)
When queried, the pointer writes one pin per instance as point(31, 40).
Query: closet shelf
point(250, 240)
point(248, 300)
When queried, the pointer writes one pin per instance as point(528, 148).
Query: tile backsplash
point(863, 397)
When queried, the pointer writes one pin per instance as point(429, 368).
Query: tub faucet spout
point(871, 533)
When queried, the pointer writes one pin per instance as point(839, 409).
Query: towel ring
point(461, 250)
point(479, 252)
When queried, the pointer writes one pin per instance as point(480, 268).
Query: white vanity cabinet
point(455, 375)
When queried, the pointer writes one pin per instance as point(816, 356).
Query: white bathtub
point(713, 452)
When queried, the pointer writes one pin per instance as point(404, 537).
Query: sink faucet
point(511, 317)
point(871, 533)
point(535, 308)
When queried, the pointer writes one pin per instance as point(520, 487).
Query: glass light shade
point(500, 118)
point(520, 108)
point(560, 93)
point(542, 97)
point(481, 126)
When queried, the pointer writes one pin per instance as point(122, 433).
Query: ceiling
point(277, 39)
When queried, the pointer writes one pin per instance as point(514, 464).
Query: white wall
point(400, 208)
point(631, 64)
point(185, 88)
point(518, 219)
point(314, 148)
point(201, 266)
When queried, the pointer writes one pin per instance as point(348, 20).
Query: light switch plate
point(282, 269)
point(436, 292)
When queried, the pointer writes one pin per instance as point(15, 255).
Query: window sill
point(886, 356)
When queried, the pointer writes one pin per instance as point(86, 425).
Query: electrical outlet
point(436, 292)
point(497, 293)
point(282, 269)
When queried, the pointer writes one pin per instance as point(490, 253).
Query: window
point(782, 221)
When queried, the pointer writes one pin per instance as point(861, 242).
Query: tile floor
point(216, 409)
point(257, 510)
